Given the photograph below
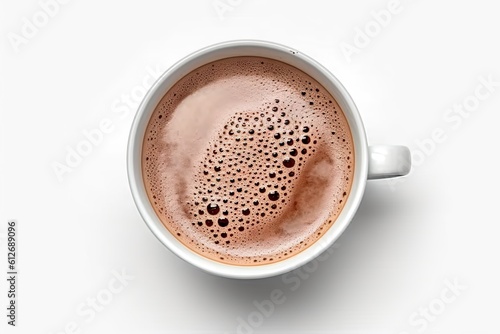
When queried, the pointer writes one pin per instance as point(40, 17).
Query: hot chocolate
point(248, 160)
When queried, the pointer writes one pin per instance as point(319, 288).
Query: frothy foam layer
point(247, 160)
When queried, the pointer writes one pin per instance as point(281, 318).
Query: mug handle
point(386, 161)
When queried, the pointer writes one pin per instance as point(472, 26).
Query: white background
point(408, 239)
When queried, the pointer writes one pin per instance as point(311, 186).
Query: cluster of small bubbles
point(247, 179)
point(258, 180)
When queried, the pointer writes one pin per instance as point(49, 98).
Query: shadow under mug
point(371, 162)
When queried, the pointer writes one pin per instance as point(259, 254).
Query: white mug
point(371, 162)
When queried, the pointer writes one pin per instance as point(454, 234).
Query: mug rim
point(234, 48)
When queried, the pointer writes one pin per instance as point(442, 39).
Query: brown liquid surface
point(247, 160)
